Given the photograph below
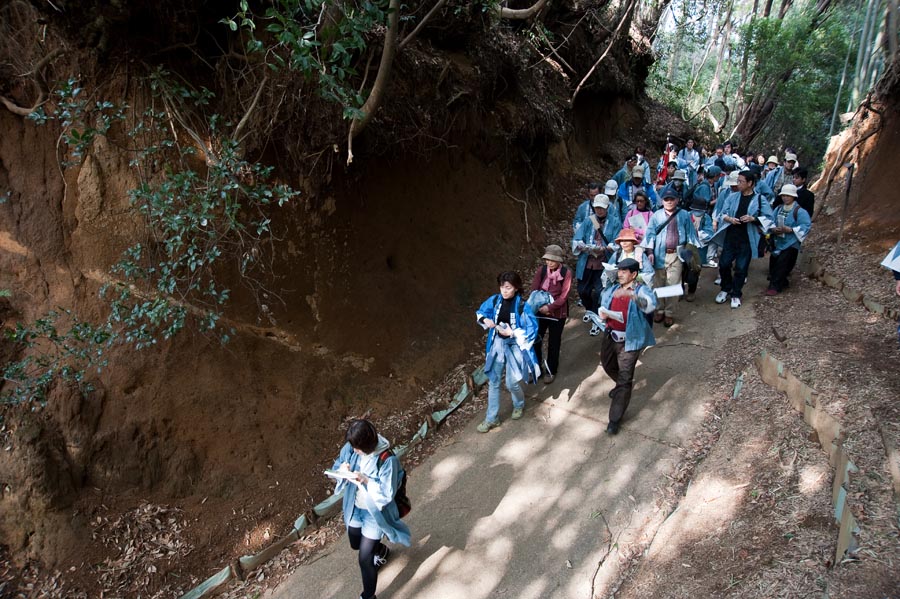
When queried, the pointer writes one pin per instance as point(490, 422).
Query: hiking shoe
point(381, 557)
point(721, 297)
point(612, 428)
point(517, 413)
point(486, 426)
point(595, 330)
point(712, 264)
point(659, 317)
point(735, 302)
point(548, 378)
point(689, 297)
point(718, 281)
point(585, 318)
point(669, 321)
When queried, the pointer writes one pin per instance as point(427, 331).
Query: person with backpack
point(371, 496)
point(742, 221)
point(792, 224)
point(669, 230)
point(625, 339)
point(512, 329)
point(702, 221)
point(555, 278)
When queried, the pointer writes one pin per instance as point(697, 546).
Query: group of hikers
point(633, 240)
point(639, 247)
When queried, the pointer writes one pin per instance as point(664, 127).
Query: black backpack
point(404, 505)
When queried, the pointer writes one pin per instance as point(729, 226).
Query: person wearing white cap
point(593, 243)
point(729, 187)
point(782, 174)
point(792, 225)
point(742, 220)
point(611, 190)
point(638, 181)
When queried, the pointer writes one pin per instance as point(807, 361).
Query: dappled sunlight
point(447, 471)
point(814, 478)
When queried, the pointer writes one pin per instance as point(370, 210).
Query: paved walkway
point(545, 506)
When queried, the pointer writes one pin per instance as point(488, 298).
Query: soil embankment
point(374, 270)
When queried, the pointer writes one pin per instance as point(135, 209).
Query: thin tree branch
point(421, 24)
point(612, 40)
point(384, 73)
point(246, 117)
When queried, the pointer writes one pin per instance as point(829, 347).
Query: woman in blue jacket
point(792, 225)
point(512, 328)
point(370, 511)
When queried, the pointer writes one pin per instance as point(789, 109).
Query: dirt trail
point(549, 506)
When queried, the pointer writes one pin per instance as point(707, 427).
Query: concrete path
point(548, 506)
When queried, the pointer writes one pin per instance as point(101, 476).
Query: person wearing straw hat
point(792, 224)
point(629, 249)
point(624, 340)
point(369, 504)
point(556, 279)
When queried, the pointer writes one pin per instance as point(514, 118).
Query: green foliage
point(80, 121)
point(66, 354)
point(320, 39)
point(769, 47)
point(197, 215)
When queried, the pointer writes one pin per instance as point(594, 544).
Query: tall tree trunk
point(768, 10)
point(680, 30)
point(720, 60)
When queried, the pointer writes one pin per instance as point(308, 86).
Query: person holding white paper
point(892, 261)
point(668, 231)
point(624, 341)
point(369, 506)
point(637, 218)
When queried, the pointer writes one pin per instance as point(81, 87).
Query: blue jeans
point(739, 254)
point(515, 390)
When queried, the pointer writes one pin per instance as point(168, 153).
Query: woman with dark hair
point(512, 328)
point(369, 506)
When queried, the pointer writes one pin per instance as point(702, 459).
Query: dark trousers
point(619, 365)
point(367, 549)
point(590, 287)
point(780, 267)
point(737, 253)
point(555, 328)
point(691, 278)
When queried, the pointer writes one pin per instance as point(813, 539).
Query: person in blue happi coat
point(743, 219)
point(369, 504)
point(791, 225)
point(625, 339)
point(512, 328)
point(892, 262)
point(593, 244)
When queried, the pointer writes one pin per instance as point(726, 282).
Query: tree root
point(39, 81)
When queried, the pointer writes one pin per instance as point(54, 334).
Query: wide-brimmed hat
point(611, 187)
point(637, 171)
point(601, 200)
point(679, 175)
point(772, 159)
point(626, 235)
point(788, 189)
point(732, 178)
point(553, 252)
point(788, 157)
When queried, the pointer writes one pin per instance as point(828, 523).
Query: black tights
point(367, 549)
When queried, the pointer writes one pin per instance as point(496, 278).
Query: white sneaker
point(718, 281)
point(735, 302)
point(721, 297)
point(595, 330)
point(712, 264)
point(585, 318)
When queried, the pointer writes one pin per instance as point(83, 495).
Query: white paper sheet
point(669, 291)
point(610, 314)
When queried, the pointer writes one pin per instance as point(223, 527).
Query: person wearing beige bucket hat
point(629, 248)
point(778, 176)
point(555, 278)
